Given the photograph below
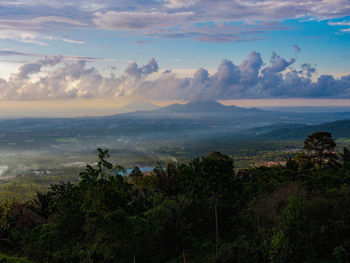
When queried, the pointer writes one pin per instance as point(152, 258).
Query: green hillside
point(339, 129)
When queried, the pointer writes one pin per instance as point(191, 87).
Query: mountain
point(309, 109)
point(203, 107)
point(275, 127)
point(337, 128)
point(216, 116)
point(138, 106)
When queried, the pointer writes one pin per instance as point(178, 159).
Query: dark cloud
point(6, 52)
point(307, 69)
point(134, 70)
point(297, 48)
point(150, 67)
point(31, 68)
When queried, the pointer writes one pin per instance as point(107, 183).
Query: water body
point(145, 169)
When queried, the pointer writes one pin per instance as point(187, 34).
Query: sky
point(87, 57)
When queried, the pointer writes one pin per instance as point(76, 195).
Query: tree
point(136, 172)
point(214, 178)
point(346, 158)
point(289, 234)
point(320, 146)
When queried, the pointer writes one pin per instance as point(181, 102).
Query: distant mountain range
point(309, 109)
point(215, 113)
point(197, 109)
point(204, 107)
point(191, 121)
point(337, 128)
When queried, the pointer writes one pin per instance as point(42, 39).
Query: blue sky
point(164, 50)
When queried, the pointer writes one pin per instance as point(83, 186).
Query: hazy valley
point(143, 137)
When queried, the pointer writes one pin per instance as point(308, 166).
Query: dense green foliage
point(24, 187)
point(8, 259)
point(204, 209)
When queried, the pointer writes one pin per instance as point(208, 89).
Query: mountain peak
point(208, 105)
point(138, 106)
point(196, 107)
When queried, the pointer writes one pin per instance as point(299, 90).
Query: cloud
point(251, 79)
point(220, 32)
point(127, 20)
point(297, 49)
point(31, 68)
point(134, 70)
point(250, 69)
point(277, 64)
point(307, 69)
point(22, 36)
point(8, 52)
point(33, 37)
point(179, 3)
point(51, 78)
point(168, 18)
point(14, 53)
point(53, 19)
point(71, 80)
point(38, 22)
point(180, 18)
point(342, 23)
point(268, 10)
point(150, 67)
point(33, 26)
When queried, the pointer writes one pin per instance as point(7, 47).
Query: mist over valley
point(144, 137)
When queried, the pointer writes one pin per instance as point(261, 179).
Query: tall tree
point(214, 175)
point(346, 158)
point(320, 146)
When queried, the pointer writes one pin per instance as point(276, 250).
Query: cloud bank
point(53, 78)
point(229, 21)
point(30, 21)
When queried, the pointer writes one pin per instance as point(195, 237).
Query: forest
point(201, 211)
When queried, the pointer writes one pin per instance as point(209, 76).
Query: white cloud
point(33, 37)
point(179, 3)
point(22, 36)
point(343, 23)
point(47, 78)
